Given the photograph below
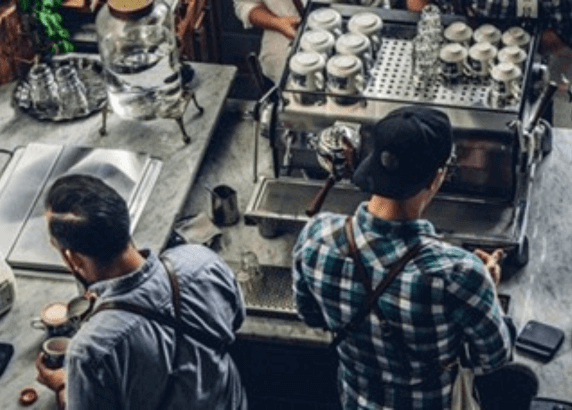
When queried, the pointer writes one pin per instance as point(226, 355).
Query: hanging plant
point(45, 26)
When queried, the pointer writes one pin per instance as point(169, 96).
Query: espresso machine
point(318, 136)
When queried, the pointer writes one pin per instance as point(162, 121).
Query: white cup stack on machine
point(349, 50)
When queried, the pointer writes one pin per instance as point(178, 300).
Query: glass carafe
point(139, 53)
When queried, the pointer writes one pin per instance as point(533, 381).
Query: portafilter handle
point(316, 203)
point(541, 104)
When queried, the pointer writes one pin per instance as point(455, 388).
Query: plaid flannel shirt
point(442, 301)
point(554, 14)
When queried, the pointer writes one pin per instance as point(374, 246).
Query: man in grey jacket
point(126, 360)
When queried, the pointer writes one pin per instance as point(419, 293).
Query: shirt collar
point(408, 228)
point(126, 283)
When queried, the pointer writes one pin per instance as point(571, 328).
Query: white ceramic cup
point(356, 44)
point(512, 54)
point(453, 59)
point(320, 41)
point(345, 78)
point(481, 59)
point(487, 33)
point(368, 24)
point(516, 36)
point(458, 32)
point(505, 86)
point(326, 18)
point(307, 74)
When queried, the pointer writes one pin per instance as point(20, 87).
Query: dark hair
point(89, 217)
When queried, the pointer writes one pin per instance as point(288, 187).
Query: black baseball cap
point(404, 152)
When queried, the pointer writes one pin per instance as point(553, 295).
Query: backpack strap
point(372, 294)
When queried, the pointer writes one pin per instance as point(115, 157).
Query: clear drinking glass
point(43, 90)
point(425, 58)
point(72, 93)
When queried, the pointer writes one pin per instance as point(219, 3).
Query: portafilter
point(337, 152)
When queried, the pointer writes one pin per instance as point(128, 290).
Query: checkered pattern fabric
point(441, 302)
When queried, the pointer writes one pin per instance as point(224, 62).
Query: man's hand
point(491, 261)
point(287, 25)
point(52, 378)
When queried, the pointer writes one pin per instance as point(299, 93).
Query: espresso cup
point(454, 64)
point(307, 74)
point(358, 45)
point(458, 32)
point(481, 59)
point(505, 85)
point(320, 41)
point(53, 319)
point(516, 36)
point(512, 54)
point(345, 78)
point(326, 18)
point(54, 351)
point(487, 33)
point(370, 25)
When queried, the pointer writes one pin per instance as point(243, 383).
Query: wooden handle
point(318, 200)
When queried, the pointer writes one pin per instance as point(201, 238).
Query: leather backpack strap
point(372, 295)
point(175, 291)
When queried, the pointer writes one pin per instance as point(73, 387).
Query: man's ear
point(436, 183)
point(74, 260)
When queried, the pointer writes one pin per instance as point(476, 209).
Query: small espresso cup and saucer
point(516, 36)
point(505, 87)
point(370, 25)
point(488, 33)
point(345, 78)
point(481, 59)
point(512, 54)
point(458, 32)
point(454, 64)
point(307, 75)
point(54, 320)
point(326, 18)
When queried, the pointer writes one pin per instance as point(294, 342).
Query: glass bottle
point(140, 58)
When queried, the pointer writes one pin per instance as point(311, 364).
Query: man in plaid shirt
point(441, 302)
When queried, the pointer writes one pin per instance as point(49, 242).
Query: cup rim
point(56, 339)
point(50, 322)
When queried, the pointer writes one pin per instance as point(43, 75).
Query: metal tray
point(90, 72)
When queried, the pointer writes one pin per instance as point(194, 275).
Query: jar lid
point(130, 9)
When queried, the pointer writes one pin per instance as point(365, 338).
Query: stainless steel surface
point(392, 80)
point(36, 167)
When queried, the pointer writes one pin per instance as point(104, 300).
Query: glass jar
point(140, 58)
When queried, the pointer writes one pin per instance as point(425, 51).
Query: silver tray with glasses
point(71, 86)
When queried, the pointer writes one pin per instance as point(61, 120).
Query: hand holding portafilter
point(337, 153)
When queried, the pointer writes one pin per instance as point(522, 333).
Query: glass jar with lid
point(137, 45)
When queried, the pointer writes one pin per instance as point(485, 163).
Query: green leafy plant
point(46, 20)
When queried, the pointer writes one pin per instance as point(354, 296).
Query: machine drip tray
point(32, 170)
point(279, 205)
